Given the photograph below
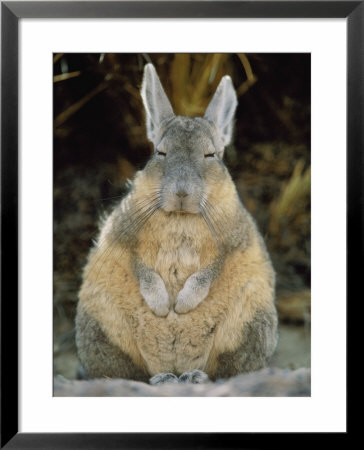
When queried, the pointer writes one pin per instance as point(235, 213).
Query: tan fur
point(213, 334)
point(177, 343)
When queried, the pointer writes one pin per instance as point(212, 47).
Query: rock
point(269, 382)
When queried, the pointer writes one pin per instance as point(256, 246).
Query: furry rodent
point(179, 283)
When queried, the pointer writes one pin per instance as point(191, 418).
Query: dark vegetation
point(100, 141)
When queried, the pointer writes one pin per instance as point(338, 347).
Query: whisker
point(215, 219)
point(145, 218)
point(154, 190)
point(105, 254)
point(141, 204)
point(138, 205)
point(133, 225)
point(109, 198)
point(221, 224)
point(219, 215)
point(139, 219)
point(209, 224)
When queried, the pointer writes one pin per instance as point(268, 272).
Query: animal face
point(187, 151)
point(185, 154)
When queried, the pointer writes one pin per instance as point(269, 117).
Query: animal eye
point(209, 155)
point(161, 153)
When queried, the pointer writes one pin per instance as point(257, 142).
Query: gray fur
point(98, 356)
point(197, 287)
point(258, 342)
point(187, 162)
point(222, 108)
point(152, 288)
point(157, 106)
point(162, 378)
point(194, 376)
point(185, 149)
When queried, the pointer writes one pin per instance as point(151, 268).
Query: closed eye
point(209, 155)
point(161, 153)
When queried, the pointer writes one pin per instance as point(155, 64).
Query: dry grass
point(293, 199)
point(191, 81)
point(295, 306)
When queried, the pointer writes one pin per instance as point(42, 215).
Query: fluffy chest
point(177, 258)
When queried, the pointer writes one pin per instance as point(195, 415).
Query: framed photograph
point(81, 84)
point(95, 158)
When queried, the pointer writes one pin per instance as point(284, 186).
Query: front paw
point(184, 302)
point(156, 296)
point(191, 295)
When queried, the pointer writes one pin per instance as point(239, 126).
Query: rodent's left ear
point(222, 108)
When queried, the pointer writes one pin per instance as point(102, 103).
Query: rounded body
point(232, 330)
point(179, 280)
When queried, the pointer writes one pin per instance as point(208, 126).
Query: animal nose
point(181, 194)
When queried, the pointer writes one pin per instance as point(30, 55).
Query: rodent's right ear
point(156, 103)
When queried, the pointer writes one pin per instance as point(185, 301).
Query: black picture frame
point(11, 12)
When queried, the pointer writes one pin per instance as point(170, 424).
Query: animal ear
point(222, 108)
point(156, 103)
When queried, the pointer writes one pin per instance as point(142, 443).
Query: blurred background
point(100, 141)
